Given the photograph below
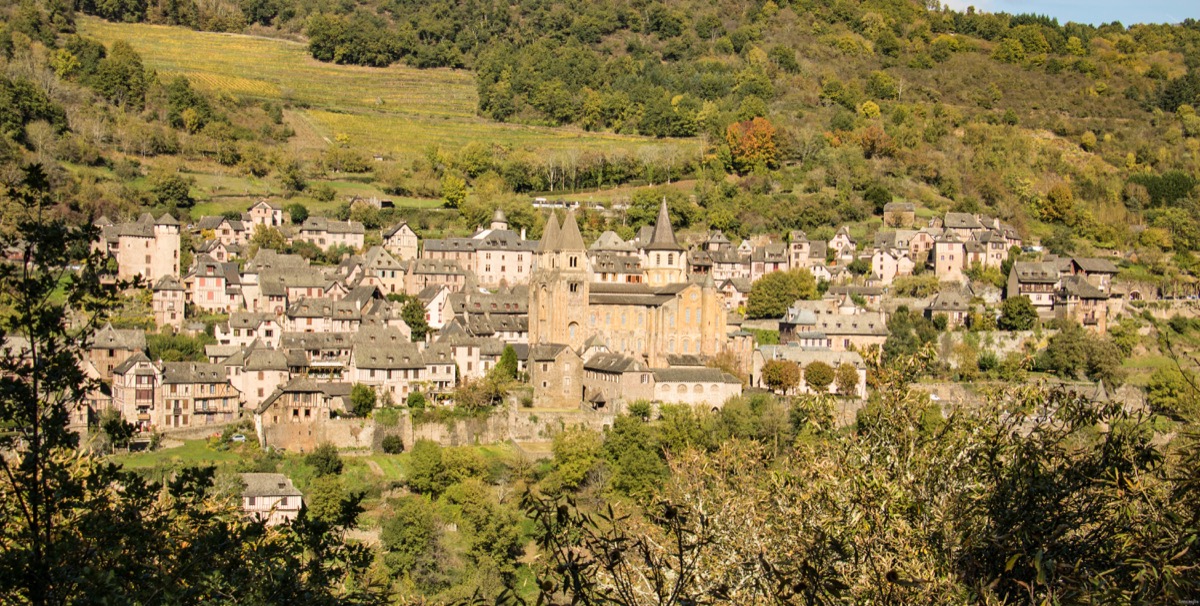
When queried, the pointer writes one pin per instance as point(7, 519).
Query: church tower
point(559, 287)
point(664, 260)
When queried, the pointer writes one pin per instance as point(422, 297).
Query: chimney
point(522, 233)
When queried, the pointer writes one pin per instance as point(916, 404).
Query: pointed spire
point(569, 238)
point(663, 237)
point(550, 235)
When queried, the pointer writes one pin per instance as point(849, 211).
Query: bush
point(392, 445)
point(325, 460)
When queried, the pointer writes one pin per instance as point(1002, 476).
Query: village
point(594, 327)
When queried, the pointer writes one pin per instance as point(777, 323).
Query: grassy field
point(397, 111)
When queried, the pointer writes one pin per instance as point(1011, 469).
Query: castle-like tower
point(559, 286)
point(663, 259)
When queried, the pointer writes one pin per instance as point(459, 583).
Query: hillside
point(396, 111)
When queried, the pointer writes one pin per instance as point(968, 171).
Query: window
point(250, 502)
point(574, 261)
point(574, 286)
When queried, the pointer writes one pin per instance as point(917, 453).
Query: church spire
point(550, 239)
point(663, 237)
point(569, 238)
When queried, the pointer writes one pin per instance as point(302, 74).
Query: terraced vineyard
point(396, 110)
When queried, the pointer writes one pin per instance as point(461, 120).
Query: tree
point(409, 534)
point(78, 529)
point(171, 189)
point(819, 376)
point(268, 237)
point(752, 145)
point(1104, 362)
point(426, 472)
point(771, 295)
point(298, 212)
point(413, 314)
point(415, 401)
point(781, 375)
point(324, 498)
point(325, 460)
point(506, 368)
point(1066, 353)
point(392, 444)
point(576, 454)
point(118, 430)
point(362, 400)
point(1017, 313)
point(454, 190)
point(631, 448)
point(846, 379)
point(1171, 393)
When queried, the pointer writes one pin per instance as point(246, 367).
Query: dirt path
point(375, 468)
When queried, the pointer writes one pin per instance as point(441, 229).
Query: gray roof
point(1095, 266)
point(693, 375)
point(550, 235)
point(389, 357)
point(268, 485)
point(962, 221)
point(1035, 273)
point(613, 363)
point(569, 237)
point(119, 338)
point(130, 362)
point(663, 237)
point(193, 372)
point(318, 224)
point(949, 300)
point(1078, 286)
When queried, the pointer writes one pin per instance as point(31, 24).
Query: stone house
point(146, 248)
point(194, 393)
point(700, 387)
point(1077, 299)
point(110, 347)
point(899, 214)
point(612, 381)
point(556, 372)
point(1038, 281)
point(265, 213)
point(245, 327)
point(270, 497)
point(135, 391)
point(951, 303)
point(326, 233)
point(168, 300)
point(402, 242)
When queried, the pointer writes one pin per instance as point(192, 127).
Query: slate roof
point(613, 363)
point(693, 375)
point(119, 338)
point(130, 362)
point(1078, 286)
point(192, 372)
point(663, 237)
point(1030, 272)
point(319, 224)
point(268, 485)
point(949, 300)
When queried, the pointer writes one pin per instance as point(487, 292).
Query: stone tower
point(558, 290)
point(665, 261)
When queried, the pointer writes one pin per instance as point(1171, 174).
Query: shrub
point(392, 445)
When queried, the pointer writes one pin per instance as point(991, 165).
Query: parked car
point(238, 437)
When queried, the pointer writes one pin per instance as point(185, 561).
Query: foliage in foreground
point(1041, 497)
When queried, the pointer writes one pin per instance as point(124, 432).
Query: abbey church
point(665, 315)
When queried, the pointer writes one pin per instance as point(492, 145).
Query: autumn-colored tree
point(781, 375)
point(819, 376)
point(875, 142)
point(752, 145)
point(846, 379)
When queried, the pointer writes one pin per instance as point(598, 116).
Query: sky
point(1095, 12)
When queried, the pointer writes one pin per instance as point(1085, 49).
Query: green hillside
point(397, 111)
